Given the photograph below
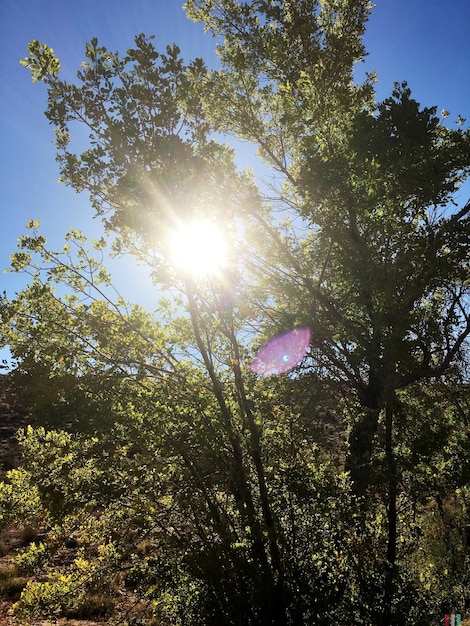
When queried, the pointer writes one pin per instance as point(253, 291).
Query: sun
point(199, 248)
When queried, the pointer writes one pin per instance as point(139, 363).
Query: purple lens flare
point(282, 353)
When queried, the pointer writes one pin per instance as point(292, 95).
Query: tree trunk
point(362, 435)
point(389, 589)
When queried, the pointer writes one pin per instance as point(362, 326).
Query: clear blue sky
point(425, 42)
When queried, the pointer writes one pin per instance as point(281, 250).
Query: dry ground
point(10, 541)
point(12, 417)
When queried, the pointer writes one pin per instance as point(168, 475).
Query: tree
point(159, 443)
point(372, 257)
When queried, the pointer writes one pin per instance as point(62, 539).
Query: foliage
point(20, 500)
point(338, 492)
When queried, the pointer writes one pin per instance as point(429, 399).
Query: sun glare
point(199, 248)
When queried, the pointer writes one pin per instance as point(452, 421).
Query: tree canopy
point(339, 491)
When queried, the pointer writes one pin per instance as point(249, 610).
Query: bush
point(32, 558)
point(11, 584)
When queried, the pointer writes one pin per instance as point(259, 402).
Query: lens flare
point(282, 353)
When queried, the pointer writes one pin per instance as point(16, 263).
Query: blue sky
point(422, 41)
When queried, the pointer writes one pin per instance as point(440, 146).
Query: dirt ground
point(7, 620)
point(11, 539)
point(12, 418)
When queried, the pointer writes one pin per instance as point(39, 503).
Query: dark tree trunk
point(362, 435)
point(390, 579)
